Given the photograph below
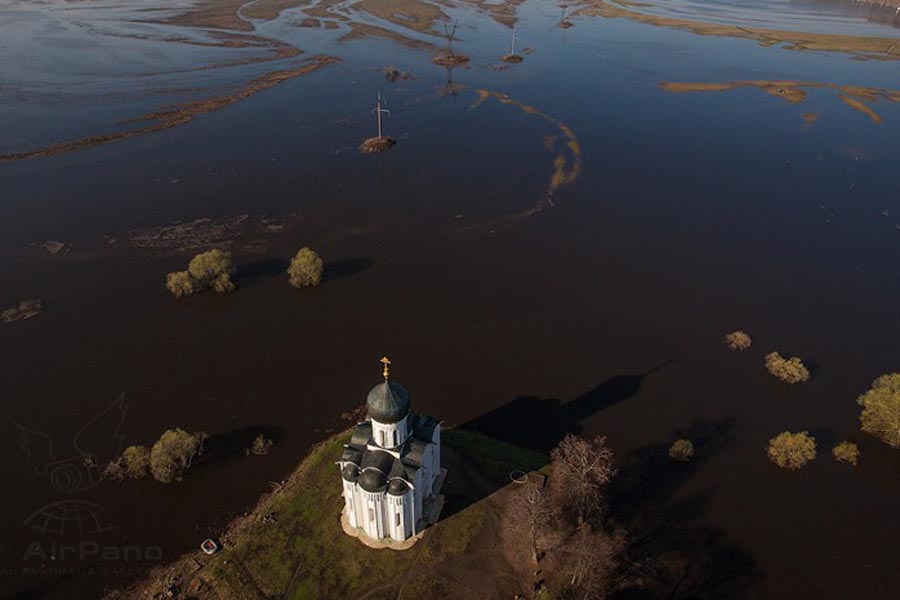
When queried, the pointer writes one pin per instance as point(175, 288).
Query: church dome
point(350, 472)
point(398, 487)
point(373, 480)
point(388, 402)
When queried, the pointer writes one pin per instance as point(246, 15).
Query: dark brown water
point(694, 215)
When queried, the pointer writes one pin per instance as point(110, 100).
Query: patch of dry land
point(226, 14)
point(362, 30)
point(180, 114)
point(796, 92)
point(860, 46)
point(291, 544)
point(25, 310)
point(418, 16)
point(377, 144)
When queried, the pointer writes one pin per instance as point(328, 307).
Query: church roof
point(375, 466)
point(373, 480)
point(378, 470)
point(362, 433)
point(416, 453)
point(388, 402)
point(398, 487)
point(423, 427)
point(350, 472)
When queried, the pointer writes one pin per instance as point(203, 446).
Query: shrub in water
point(846, 452)
point(881, 409)
point(305, 269)
point(738, 340)
point(681, 450)
point(792, 450)
point(208, 270)
point(789, 370)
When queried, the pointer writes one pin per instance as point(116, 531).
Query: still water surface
point(680, 217)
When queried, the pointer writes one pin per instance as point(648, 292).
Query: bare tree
point(590, 562)
point(581, 470)
point(528, 519)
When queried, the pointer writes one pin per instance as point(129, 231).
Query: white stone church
point(391, 469)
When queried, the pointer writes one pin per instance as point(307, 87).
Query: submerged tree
point(305, 269)
point(261, 445)
point(208, 270)
point(133, 463)
point(792, 450)
point(881, 409)
point(681, 450)
point(789, 370)
point(137, 461)
point(738, 340)
point(174, 452)
point(213, 269)
point(846, 452)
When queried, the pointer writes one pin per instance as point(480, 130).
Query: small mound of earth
point(450, 60)
point(566, 24)
point(512, 58)
point(377, 144)
point(393, 74)
point(310, 22)
point(54, 247)
point(25, 310)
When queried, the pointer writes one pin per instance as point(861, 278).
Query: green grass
point(306, 553)
point(493, 458)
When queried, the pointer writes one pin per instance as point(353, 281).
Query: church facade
point(391, 469)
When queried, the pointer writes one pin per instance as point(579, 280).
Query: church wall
point(418, 494)
point(400, 505)
point(373, 514)
point(436, 438)
point(389, 435)
point(351, 503)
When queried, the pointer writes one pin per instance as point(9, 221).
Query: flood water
point(677, 218)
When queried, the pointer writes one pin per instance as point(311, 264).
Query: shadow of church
point(669, 549)
point(534, 424)
point(539, 424)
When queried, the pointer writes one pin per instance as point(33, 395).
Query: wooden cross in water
point(387, 367)
point(378, 111)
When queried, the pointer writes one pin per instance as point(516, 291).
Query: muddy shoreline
point(177, 115)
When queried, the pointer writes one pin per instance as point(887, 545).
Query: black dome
point(350, 472)
point(388, 402)
point(398, 487)
point(373, 480)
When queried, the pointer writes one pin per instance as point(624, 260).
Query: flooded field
point(584, 225)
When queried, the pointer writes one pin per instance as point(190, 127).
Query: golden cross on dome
point(387, 367)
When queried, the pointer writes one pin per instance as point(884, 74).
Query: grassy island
point(291, 544)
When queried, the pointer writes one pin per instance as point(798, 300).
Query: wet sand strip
point(795, 92)
point(180, 114)
point(863, 47)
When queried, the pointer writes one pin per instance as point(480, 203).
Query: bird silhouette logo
point(80, 466)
